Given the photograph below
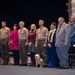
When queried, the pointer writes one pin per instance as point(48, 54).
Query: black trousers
point(16, 57)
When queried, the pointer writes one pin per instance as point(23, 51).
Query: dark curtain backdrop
point(30, 11)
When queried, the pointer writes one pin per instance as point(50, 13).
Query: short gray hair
point(22, 22)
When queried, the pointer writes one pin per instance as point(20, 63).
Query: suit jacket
point(14, 38)
point(63, 35)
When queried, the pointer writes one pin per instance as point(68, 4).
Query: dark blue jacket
point(72, 34)
point(53, 40)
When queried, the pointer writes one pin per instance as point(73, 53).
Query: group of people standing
point(54, 43)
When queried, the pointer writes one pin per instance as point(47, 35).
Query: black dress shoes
point(23, 65)
point(60, 67)
point(63, 67)
point(5, 64)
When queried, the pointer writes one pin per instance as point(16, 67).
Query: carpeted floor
point(22, 70)
point(26, 70)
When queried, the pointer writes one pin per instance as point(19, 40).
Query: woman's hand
point(30, 44)
point(49, 45)
point(11, 42)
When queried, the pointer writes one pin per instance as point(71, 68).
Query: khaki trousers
point(41, 50)
point(5, 50)
point(23, 52)
point(40, 47)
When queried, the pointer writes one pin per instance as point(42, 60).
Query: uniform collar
point(4, 27)
point(21, 28)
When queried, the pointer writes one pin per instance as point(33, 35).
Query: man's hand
point(26, 43)
point(35, 45)
point(9, 43)
point(44, 45)
point(65, 44)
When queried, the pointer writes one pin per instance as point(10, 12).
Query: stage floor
point(22, 70)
